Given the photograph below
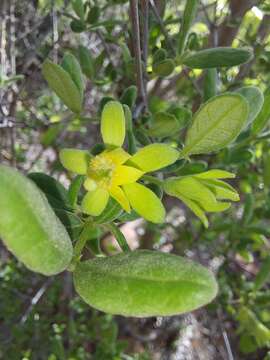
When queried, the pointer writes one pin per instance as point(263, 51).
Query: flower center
point(101, 171)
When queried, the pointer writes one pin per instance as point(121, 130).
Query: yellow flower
point(115, 173)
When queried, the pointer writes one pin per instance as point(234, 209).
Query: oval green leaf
point(62, 84)
point(72, 66)
point(216, 124)
point(29, 227)
point(144, 283)
point(217, 57)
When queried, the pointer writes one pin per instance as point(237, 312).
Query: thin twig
point(162, 26)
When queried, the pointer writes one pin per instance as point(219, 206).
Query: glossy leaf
point(62, 84)
point(216, 124)
point(144, 283)
point(29, 227)
point(217, 57)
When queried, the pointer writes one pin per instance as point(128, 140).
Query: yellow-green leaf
point(145, 202)
point(113, 124)
point(216, 124)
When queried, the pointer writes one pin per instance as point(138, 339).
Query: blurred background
point(43, 318)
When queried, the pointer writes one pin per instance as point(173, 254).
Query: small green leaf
point(29, 227)
point(255, 99)
point(62, 84)
point(163, 124)
point(144, 283)
point(78, 7)
point(77, 26)
point(264, 115)
point(159, 55)
point(216, 124)
point(164, 68)
point(93, 15)
point(72, 66)
point(217, 57)
point(119, 236)
point(182, 114)
point(263, 275)
point(129, 96)
point(86, 62)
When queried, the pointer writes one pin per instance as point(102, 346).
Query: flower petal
point(118, 194)
point(126, 175)
point(113, 124)
point(89, 184)
point(94, 202)
point(75, 160)
point(118, 156)
point(155, 156)
point(145, 202)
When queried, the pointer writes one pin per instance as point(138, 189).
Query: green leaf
point(72, 66)
point(119, 237)
point(144, 283)
point(74, 189)
point(263, 275)
point(86, 62)
point(217, 57)
point(51, 187)
point(264, 116)
point(62, 84)
point(164, 68)
point(182, 114)
point(77, 26)
point(188, 17)
point(29, 227)
point(129, 96)
point(255, 99)
point(163, 124)
point(51, 134)
point(93, 15)
point(216, 124)
point(78, 7)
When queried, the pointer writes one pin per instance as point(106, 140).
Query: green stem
point(120, 238)
point(152, 180)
